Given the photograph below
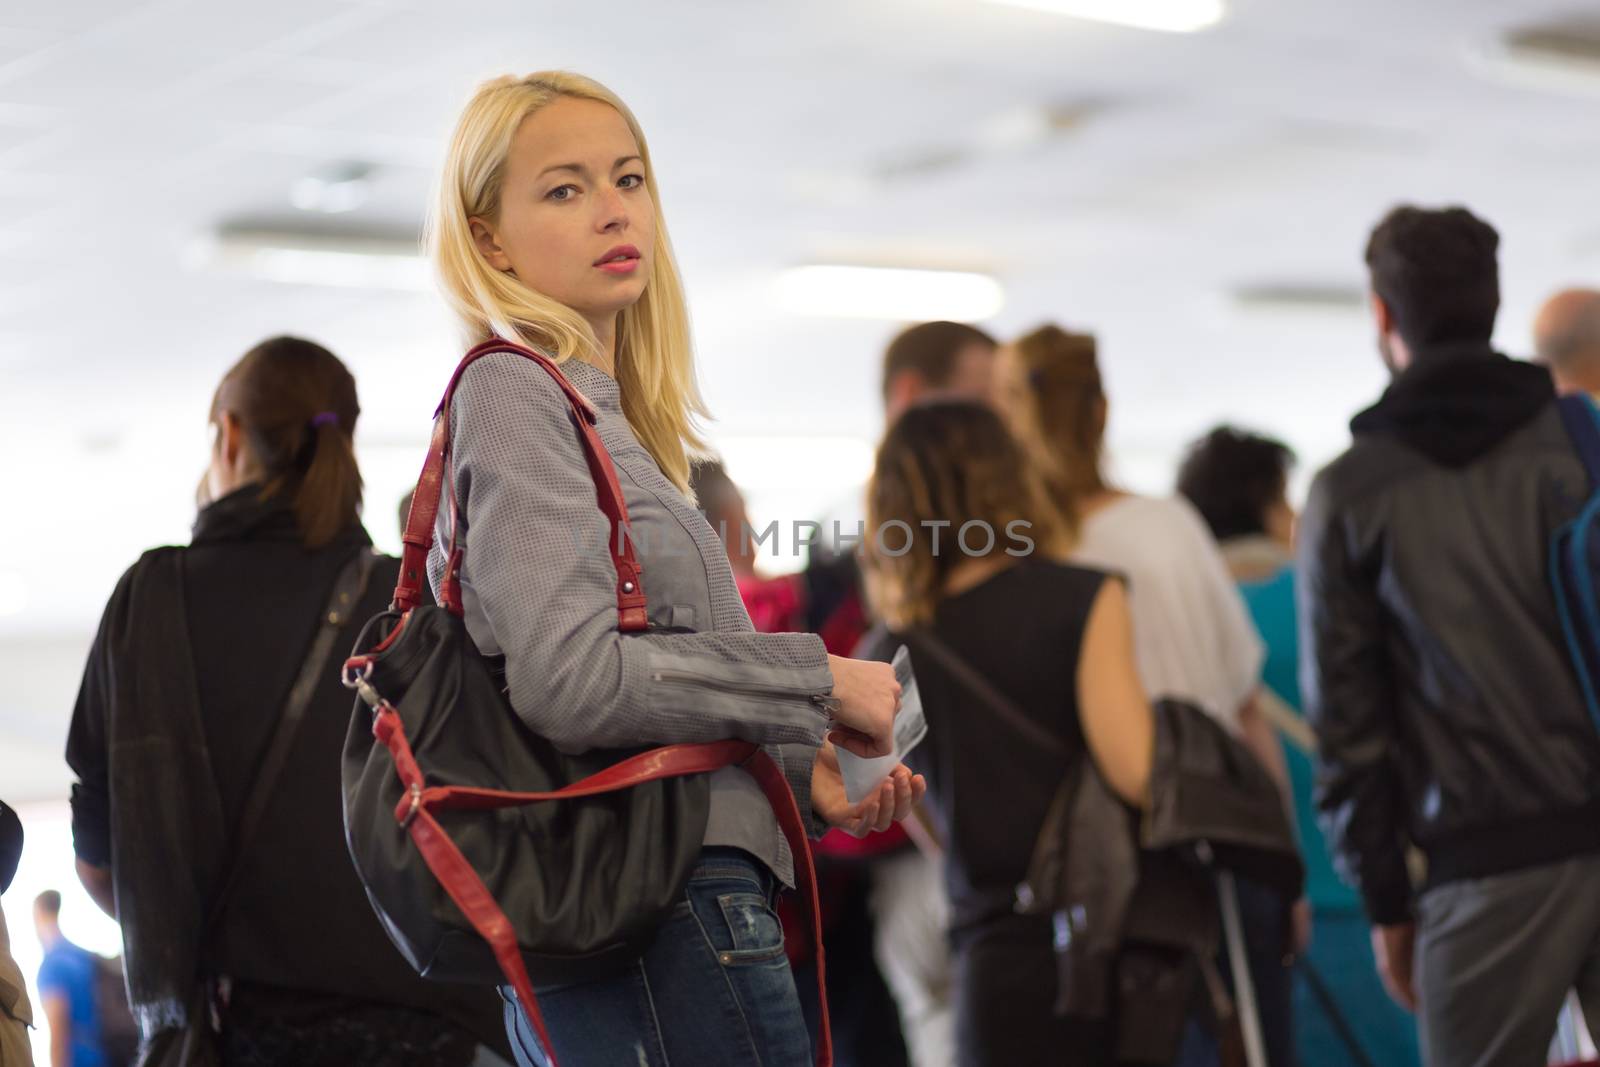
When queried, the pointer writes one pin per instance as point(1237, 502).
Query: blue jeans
point(713, 989)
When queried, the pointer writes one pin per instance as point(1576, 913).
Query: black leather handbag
point(489, 855)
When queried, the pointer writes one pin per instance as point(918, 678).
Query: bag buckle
point(416, 805)
point(357, 675)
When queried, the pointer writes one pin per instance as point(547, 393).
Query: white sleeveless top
point(1192, 635)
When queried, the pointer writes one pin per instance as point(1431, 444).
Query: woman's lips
point(621, 259)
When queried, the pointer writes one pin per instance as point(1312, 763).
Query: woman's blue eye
point(631, 181)
point(558, 192)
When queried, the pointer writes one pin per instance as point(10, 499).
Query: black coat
point(187, 676)
point(1433, 666)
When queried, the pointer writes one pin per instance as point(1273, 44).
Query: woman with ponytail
point(1192, 635)
point(238, 902)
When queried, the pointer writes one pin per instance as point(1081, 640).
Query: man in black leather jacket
point(1434, 667)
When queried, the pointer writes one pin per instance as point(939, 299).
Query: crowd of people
point(1204, 781)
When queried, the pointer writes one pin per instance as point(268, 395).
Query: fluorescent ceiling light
point(1171, 16)
point(1313, 298)
point(334, 190)
point(317, 259)
point(1558, 57)
point(897, 295)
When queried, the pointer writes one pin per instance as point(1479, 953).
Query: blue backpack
point(1575, 556)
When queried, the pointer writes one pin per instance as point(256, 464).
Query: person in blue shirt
point(67, 980)
point(1239, 483)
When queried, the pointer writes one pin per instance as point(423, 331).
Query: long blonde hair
point(654, 359)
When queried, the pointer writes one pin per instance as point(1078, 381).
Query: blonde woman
point(548, 231)
point(967, 549)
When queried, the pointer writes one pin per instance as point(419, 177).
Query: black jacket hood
point(1456, 402)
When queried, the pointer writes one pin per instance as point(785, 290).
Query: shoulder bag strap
point(1583, 426)
point(1288, 722)
point(969, 677)
point(346, 597)
point(418, 536)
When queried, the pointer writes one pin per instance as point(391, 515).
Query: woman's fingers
point(905, 797)
point(857, 742)
point(840, 733)
point(886, 805)
point(866, 817)
point(867, 697)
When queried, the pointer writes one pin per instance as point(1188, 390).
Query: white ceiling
point(859, 130)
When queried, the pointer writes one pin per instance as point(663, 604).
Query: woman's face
point(576, 222)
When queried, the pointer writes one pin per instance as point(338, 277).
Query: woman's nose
point(613, 211)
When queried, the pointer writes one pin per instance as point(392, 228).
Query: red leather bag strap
point(431, 484)
point(461, 882)
point(776, 787)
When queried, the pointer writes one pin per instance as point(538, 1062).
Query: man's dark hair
point(1232, 477)
point(48, 902)
point(930, 349)
point(1437, 271)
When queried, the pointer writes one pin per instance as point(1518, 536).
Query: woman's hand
point(890, 802)
point(868, 697)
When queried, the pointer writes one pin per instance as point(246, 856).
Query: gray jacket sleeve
point(535, 577)
point(797, 764)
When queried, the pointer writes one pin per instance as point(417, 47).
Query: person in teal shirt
point(1239, 483)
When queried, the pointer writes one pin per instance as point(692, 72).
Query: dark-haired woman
point(1239, 483)
point(191, 672)
point(967, 548)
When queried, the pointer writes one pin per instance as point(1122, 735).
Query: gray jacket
point(538, 587)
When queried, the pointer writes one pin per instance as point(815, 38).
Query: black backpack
point(1575, 557)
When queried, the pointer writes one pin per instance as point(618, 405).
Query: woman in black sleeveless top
point(979, 571)
point(185, 684)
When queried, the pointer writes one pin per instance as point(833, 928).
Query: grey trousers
point(1496, 957)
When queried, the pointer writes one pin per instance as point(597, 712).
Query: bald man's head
point(1567, 336)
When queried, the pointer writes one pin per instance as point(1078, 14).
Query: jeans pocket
point(740, 926)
